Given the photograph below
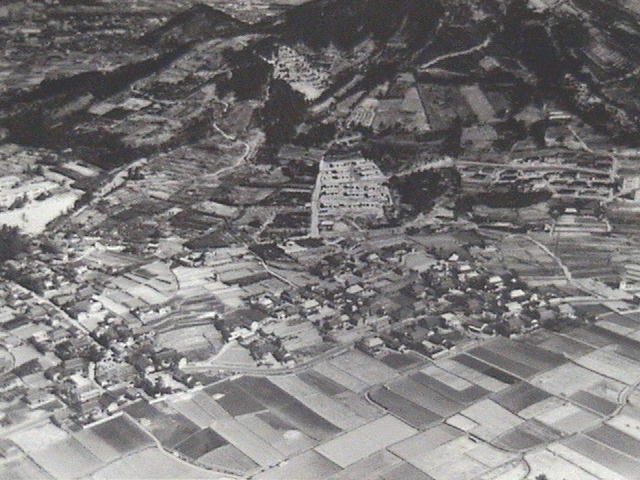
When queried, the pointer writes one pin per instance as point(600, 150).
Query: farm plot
point(247, 442)
point(566, 380)
point(200, 443)
point(617, 440)
point(520, 396)
point(568, 418)
point(169, 427)
point(595, 403)
point(228, 457)
point(366, 440)
point(120, 435)
point(486, 369)
point(471, 375)
point(373, 466)
point(451, 386)
point(565, 345)
point(21, 469)
point(283, 436)
point(193, 412)
point(526, 353)
point(340, 377)
point(328, 408)
point(446, 459)
point(544, 461)
point(66, 459)
point(424, 397)
point(307, 466)
point(401, 361)
point(321, 383)
point(492, 419)
point(606, 456)
point(430, 439)
point(514, 367)
point(403, 471)
point(627, 421)
point(233, 399)
point(152, 464)
point(368, 369)
point(610, 364)
point(526, 436)
point(287, 407)
point(399, 406)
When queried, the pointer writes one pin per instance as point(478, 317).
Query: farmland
point(476, 412)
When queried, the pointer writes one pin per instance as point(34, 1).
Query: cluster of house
point(295, 69)
point(577, 175)
point(404, 295)
point(350, 186)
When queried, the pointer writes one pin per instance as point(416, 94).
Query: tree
point(12, 243)
point(282, 112)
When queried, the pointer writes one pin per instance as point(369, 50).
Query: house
point(9, 382)
point(371, 345)
point(80, 389)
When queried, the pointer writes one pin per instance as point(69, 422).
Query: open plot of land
point(362, 442)
point(590, 336)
